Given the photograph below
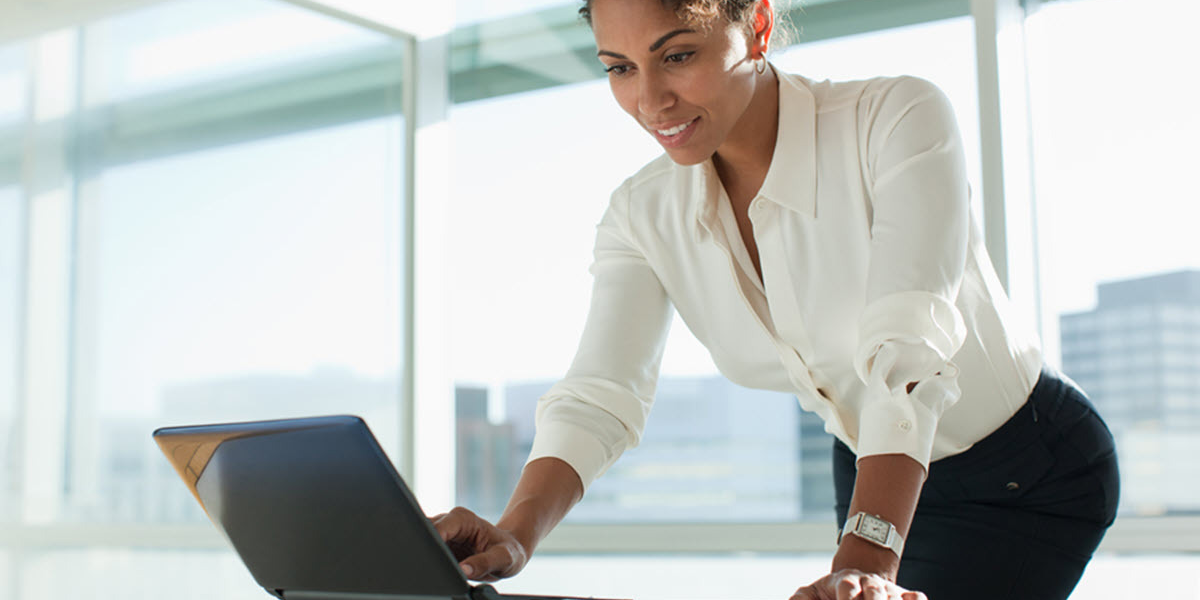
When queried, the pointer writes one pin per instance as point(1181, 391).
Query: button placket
point(777, 279)
point(778, 287)
point(798, 372)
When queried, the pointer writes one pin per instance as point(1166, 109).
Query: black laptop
point(316, 511)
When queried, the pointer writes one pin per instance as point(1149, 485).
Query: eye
point(617, 70)
point(679, 57)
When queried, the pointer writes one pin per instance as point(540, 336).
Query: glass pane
point(942, 52)
point(1120, 262)
point(495, 304)
point(188, 42)
point(13, 103)
point(520, 290)
point(12, 83)
point(467, 12)
point(11, 287)
point(230, 272)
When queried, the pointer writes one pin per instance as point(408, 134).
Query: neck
point(746, 154)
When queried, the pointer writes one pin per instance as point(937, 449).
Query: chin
point(687, 158)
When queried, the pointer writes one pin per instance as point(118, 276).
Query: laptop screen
point(314, 505)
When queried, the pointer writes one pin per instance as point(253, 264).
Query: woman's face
point(687, 87)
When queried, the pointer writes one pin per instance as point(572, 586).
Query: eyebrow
point(653, 47)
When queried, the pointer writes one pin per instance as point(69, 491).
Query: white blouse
point(874, 275)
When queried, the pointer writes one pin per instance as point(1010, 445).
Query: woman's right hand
point(484, 551)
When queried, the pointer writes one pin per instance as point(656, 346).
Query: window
point(266, 294)
point(520, 293)
point(241, 273)
point(1116, 240)
point(12, 90)
point(221, 240)
point(13, 94)
point(918, 50)
point(187, 43)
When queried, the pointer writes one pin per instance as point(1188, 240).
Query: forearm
point(546, 491)
point(887, 485)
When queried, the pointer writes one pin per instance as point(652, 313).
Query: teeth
point(674, 130)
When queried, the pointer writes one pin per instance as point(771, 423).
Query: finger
point(873, 590)
point(489, 565)
point(456, 524)
point(849, 588)
point(895, 591)
point(802, 594)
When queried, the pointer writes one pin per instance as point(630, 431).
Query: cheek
point(731, 100)
point(624, 97)
point(711, 95)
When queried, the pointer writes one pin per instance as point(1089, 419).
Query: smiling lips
point(675, 136)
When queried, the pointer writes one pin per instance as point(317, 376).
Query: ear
point(764, 25)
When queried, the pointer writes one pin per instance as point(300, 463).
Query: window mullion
point(47, 187)
point(1008, 219)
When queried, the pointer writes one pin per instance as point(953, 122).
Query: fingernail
point(468, 570)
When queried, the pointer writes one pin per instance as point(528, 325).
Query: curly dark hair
point(697, 13)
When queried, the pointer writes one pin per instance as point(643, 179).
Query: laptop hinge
point(484, 592)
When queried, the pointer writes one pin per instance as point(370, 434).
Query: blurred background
point(214, 210)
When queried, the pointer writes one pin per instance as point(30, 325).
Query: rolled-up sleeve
point(910, 328)
point(599, 409)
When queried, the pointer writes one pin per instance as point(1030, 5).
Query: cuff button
point(904, 425)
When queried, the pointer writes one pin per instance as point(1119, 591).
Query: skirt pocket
point(1006, 479)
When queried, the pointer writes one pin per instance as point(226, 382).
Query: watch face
point(875, 529)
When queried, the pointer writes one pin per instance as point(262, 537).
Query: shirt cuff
point(895, 421)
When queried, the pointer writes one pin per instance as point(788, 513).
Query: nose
point(654, 93)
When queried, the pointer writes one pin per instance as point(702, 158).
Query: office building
point(1137, 354)
point(489, 462)
point(712, 451)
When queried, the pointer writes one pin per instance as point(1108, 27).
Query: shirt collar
point(792, 176)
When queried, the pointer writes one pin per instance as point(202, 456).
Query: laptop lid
point(314, 509)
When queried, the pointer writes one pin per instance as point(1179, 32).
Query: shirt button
point(759, 205)
point(904, 425)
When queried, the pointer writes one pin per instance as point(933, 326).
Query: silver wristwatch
point(874, 529)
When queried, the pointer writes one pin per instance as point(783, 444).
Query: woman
point(817, 238)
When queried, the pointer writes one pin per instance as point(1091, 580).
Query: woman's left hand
point(852, 584)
